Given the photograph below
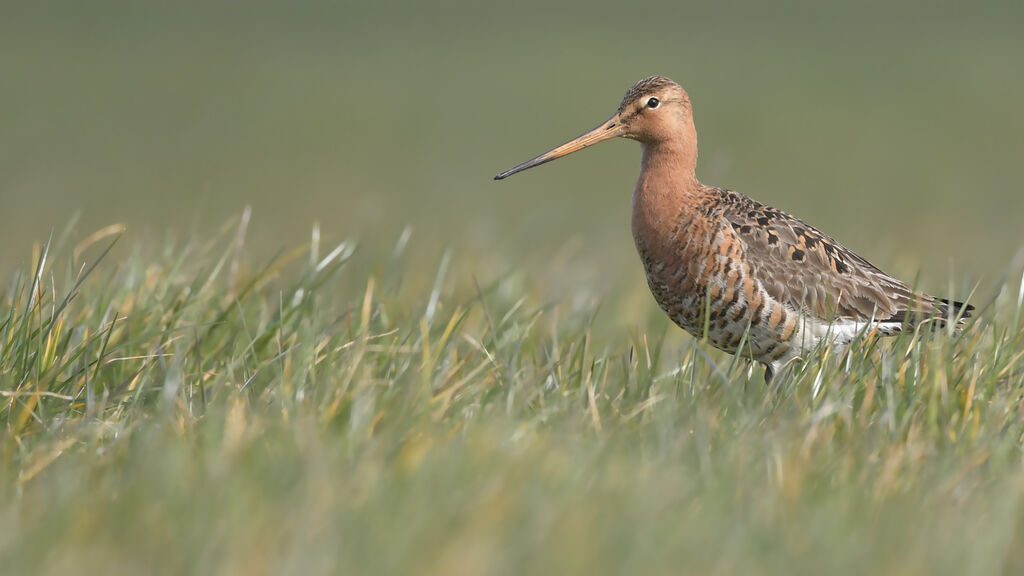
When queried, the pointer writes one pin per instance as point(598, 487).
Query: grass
point(177, 411)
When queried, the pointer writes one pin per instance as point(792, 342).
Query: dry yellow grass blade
point(105, 232)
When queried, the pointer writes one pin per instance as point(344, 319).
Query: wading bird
point(751, 279)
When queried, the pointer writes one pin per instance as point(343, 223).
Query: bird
point(748, 278)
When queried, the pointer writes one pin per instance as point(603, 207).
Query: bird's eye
point(653, 102)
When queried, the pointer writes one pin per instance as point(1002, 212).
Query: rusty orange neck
point(667, 186)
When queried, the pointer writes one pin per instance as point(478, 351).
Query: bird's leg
point(768, 374)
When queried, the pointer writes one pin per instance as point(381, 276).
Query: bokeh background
point(897, 129)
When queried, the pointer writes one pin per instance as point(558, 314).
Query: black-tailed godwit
point(751, 279)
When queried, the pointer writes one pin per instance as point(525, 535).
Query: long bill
point(605, 131)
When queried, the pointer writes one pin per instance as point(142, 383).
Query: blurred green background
point(898, 130)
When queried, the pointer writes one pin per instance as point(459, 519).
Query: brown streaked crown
point(646, 86)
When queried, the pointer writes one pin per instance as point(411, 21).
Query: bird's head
point(654, 110)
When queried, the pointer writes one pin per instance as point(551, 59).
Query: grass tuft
point(182, 412)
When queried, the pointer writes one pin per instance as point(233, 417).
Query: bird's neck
point(667, 187)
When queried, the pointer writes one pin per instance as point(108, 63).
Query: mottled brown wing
point(810, 271)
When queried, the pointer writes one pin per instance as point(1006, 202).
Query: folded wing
point(812, 273)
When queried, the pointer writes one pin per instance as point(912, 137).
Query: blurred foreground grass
point(182, 410)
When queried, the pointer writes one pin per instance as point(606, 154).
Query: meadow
point(265, 312)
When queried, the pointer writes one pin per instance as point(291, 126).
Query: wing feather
point(809, 271)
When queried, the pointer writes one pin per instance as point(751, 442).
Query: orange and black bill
point(605, 131)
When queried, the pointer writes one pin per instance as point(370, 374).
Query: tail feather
point(959, 309)
point(942, 310)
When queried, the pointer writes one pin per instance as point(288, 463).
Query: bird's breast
point(698, 275)
point(673, 245)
